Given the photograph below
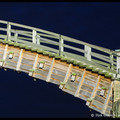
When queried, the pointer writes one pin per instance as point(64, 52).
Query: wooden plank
point(59, 72)
point(21, 33)
point(39, 76)
point(10, 67)
point(82, 97)
point(80, 83)
point(87, 87)
point(89, 82)
point(96, 87)
point(69, 91)
point(59, 65)
point(27, 61)
point(73, 48)
point(96, 109)
point(60, 78)
point(1, 55)
point(97, 104)
point(22, 66)
point(54, 81)
point(70, 87)
point(9, 63)
point(75, 83)
point(107, 98)
point(50, 71)
point(99, 98)
point(49, 41)
point(85, 93)
point(45, 35)
point(41, 71)
point(99, 55)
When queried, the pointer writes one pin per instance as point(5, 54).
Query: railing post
point(118, 64)
point(111, 61)
point(34, 36)
point(87, 52)
point(38, 39)
point(15, 36)
point(8, 30)
point(61, 42)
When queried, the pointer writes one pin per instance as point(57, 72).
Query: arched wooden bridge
point(83, 70)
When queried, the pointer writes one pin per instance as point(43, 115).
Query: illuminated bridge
point(86, 71)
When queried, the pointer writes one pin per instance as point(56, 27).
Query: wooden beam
point(35, 62)
point(80, 83)
point(116, 100)
point(50, 71)
point(66, 76)
point(34, 65)
point(4, 55)
point(5, 52)
point(107, 98)
point(19, 60)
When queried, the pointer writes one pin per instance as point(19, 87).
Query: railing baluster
point(87, 52)
point(8, 30)
point(16, 35)
point(111, 61)
point(118, 65)
point(38, 39)
point(61, 42)
point(34, 36)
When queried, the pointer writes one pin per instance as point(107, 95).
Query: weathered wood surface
point(83, 87)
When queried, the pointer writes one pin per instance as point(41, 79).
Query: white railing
point(60, 44)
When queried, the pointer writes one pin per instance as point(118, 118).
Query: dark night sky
point(93, 22)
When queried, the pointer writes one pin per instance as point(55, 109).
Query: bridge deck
point(86, 84)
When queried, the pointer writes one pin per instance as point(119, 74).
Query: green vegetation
point(42, 62)
point(32, 70)
point(74, 74)
point(89, 99)
point(11, 52)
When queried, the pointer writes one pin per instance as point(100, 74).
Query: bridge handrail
point(58, 43)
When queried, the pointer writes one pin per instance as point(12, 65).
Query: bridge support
point(116, 90)
point(116, 101)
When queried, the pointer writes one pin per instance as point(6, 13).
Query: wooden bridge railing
point(57, 43)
